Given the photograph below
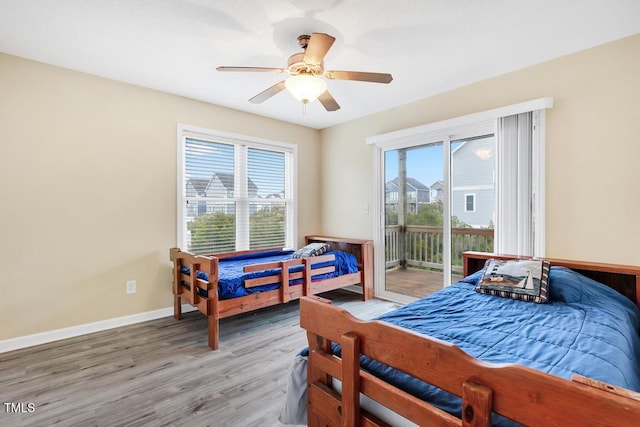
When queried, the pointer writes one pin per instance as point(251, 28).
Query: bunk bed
point(238, 282)
point(390, 372)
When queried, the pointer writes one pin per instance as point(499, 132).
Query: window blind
point(515, 184)
point(234, 195)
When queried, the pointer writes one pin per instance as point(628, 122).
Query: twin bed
point(461, 357)
point(228, 284)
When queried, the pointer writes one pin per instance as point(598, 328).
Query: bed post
point(284, 282)
point(177, 265)
point(177, 307)
point(213, 317)
point(367, 270)
point(315, 376)
point(306, 285)
point(213, 305)
point(476, 404)
point(213, 324)
point(350, 379)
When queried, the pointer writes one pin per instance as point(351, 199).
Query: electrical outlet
point(131, 286)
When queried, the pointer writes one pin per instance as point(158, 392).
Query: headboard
point(362, 249)
point(623, 278)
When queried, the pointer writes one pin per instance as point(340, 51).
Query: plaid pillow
point(312, 249)
point(526, 280)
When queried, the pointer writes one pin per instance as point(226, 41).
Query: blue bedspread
point(587, 328)
point(231, 276)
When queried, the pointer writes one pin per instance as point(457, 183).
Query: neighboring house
point(197, 187)
point(437, 189)
point(269, 206)
point(472, 185)
point(279, 195)
point(416, 194)
point(472, 182)
point(220, 186)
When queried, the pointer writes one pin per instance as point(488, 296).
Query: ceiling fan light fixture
point(304, 68)
point(305, 87)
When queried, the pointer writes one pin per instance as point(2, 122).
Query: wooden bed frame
point(519, 393)
point(185, 290)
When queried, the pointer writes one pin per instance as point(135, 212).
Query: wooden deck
point(415, 282)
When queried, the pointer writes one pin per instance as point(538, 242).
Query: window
point(235, 193)
point(469, 202)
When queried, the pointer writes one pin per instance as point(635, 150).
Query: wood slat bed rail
point(271, 265)
point(322, 270)
point(267, 280)
point(519, 393)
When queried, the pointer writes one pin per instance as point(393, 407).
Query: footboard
point(516, 392)
point(189, 287)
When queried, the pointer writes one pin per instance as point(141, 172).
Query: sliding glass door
point(473, 198)
point(439, 201)
point(414, 220)
point(471, 183)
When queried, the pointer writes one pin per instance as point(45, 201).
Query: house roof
point(411, 182)
point(199, 184)
point(227, 181)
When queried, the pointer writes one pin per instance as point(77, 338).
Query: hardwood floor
point(162, 372)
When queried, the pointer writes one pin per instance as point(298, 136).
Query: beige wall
point(88, 188)
point(593, 150)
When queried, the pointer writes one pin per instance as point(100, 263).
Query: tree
point(212, 233)
point(216, 232)
point(267, 227)
point(429, 214)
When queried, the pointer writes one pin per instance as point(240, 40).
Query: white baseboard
point(88, 328)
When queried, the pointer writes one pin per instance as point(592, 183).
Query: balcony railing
point(423, 245)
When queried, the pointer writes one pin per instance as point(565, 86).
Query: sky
point(423, 163)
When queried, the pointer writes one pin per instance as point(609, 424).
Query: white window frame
point(185, 131)
point(446, 131)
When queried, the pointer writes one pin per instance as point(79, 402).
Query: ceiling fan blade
point(253, 69)
point(268, 93)
point(360, 76)
point(319, 45)
point(328, 102)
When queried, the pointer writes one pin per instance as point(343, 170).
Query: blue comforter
point(231, 276)
point(587, 328)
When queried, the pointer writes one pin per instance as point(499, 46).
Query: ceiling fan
point(305, 69)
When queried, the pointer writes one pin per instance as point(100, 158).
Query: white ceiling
point(430, 46)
